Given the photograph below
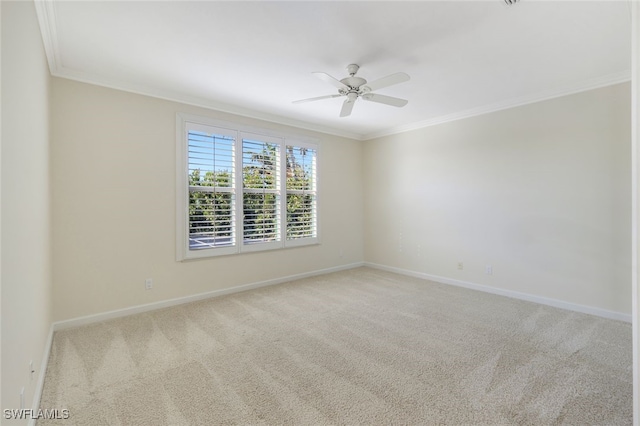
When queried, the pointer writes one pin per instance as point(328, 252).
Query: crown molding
point(597, 83)
point(155, 92)
point(46, 13)
point(604, 81)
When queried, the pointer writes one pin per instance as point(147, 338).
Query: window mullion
point(282, 223)
point(239, 194)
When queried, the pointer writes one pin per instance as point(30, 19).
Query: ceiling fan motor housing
point(353, 82)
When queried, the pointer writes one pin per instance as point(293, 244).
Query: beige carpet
point(355, 347)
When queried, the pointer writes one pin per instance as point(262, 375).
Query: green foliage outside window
point(211, 213)
point(260, 208)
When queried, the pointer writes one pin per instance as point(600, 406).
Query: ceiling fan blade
point(387, 81)
point(331, 80)
point(316, 99)
point(347, 107)
point(387, 100)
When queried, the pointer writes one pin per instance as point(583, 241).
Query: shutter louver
point(211, 192)
point(261, 194)
point(301, 193)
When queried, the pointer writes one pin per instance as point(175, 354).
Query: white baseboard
point(508, 293)
point(104, 316)
point(37, 394)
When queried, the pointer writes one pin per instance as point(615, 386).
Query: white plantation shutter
point(211, 169)
point(261, 189)
point(239, 190)
point(301, 191)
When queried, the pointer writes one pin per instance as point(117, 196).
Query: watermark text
point(40, 413)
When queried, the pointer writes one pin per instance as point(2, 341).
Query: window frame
point(186, 122)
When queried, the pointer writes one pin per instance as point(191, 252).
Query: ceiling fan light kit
point(353, 87)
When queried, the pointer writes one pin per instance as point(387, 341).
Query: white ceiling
point(255, 58)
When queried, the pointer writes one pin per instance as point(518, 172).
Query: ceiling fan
point(356, 87)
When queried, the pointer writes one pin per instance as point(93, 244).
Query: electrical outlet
point(460, 266)
point(489, 270)
point(148, 284)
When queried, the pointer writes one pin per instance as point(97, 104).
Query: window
point(301, 192)
point(242, 189)
point(211, 201)
point(261, 199)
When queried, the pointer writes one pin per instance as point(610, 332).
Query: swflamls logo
point(40, 413)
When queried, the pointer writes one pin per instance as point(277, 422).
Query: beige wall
point(540, 192)
point(26, 228)
point(113, 176)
